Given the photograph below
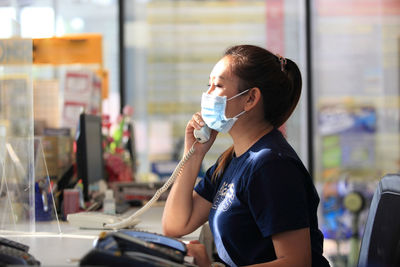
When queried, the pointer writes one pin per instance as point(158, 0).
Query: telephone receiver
point(202, 135)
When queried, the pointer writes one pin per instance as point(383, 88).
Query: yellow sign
point(70, 49)
point(15, 51)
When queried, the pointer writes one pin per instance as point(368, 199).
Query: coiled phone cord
point(131, 220)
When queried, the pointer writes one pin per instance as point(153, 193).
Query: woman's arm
point(292, 248)
point(185, 210)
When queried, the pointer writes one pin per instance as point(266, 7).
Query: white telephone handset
point(202, 136)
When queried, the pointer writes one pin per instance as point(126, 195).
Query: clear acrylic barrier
point(26, 193)
point(26, 198)
point(45, 205)
point(16, 198)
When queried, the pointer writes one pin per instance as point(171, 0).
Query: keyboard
point(94, 220)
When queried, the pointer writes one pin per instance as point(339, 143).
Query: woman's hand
point(185, 210)
point(198, 252)
point(196, 122)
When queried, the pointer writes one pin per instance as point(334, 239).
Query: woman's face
point(224, 83)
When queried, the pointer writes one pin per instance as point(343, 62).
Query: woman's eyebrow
point(216, 77)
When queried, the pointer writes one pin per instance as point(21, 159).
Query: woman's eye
point(215, 85)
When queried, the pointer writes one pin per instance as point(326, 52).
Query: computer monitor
point(131, 147)
point(89, 152)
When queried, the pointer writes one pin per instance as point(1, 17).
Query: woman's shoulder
point(268, 153)
point(267, 157)
point(273, 146)
point(275, 157)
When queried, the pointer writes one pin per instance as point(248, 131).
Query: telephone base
point(108, 258)
point(137, 248)
point(95, 220)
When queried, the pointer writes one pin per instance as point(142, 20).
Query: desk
point(66, 249)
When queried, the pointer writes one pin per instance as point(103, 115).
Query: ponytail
point(222, 162)
point(295, 84)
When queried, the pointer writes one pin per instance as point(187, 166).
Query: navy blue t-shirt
point(265, 191)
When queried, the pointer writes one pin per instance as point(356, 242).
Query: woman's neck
point(245, 136)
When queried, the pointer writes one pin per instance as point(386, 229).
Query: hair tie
point(283, 62)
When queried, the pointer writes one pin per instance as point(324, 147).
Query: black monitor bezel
point(82, 152)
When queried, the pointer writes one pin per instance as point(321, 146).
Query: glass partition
point(16, 134)
point(171, 48)
point(40, 104)
point(356, 87)
point(25, 190)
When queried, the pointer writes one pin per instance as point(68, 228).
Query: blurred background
point(148, 62)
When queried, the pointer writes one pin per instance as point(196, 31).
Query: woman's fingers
point(197, 121)
point(198, 252)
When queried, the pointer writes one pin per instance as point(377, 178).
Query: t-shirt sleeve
point(277, 197)
point(205, 187)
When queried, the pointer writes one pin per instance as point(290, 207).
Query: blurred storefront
point(159, 54)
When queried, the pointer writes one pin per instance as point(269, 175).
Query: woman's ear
point(253, 98)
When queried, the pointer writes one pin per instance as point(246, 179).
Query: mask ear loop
point(244, 111)
point(240, 114)
point(241, 93)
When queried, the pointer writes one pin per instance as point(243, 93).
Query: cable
point(126, 223)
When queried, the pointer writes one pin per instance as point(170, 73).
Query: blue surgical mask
point(213, 112)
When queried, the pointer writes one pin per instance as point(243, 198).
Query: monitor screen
point(89, 152)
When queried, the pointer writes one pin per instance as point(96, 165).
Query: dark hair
point(278, 79)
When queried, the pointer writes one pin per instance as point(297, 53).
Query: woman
point(258, 198)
